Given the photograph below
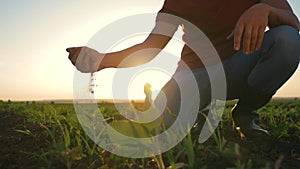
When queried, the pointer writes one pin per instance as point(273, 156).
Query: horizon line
point(105, 99)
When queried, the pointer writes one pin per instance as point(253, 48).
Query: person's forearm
point(141, 53)
point(138, 54)
point(283, 17)
point(279, 16)
point(134, 56)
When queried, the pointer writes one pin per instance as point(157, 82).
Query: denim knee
point(287, 42)
point(279, 58)
point(287, 37)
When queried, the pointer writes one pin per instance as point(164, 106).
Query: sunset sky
point(34, 35)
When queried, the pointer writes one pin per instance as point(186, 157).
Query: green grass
point(69, 146)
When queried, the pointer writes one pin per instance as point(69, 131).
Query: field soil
point(22, 143)
point(15, 147)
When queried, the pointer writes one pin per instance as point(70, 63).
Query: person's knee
point(286, 35)
point(287, 41)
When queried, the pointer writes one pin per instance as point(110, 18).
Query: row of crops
point(66, 145)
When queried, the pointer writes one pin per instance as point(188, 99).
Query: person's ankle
point(245, 124)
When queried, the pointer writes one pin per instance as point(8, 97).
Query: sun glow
point(128, 83)
point(155, 77)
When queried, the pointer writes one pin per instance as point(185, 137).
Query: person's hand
point(250, 28)
point(85, 59)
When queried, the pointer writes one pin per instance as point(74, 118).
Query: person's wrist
point(267, 8)
point(269, 11)
point(105, 62)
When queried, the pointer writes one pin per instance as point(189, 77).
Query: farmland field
point(38, 135)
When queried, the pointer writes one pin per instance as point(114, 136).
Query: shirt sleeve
point(168, 14)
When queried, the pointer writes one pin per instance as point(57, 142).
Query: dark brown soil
point(16, 147)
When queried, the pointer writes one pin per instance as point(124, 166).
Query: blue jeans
point(265, 70)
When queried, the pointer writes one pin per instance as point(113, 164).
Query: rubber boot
point(245, 124)
point(244, 115)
